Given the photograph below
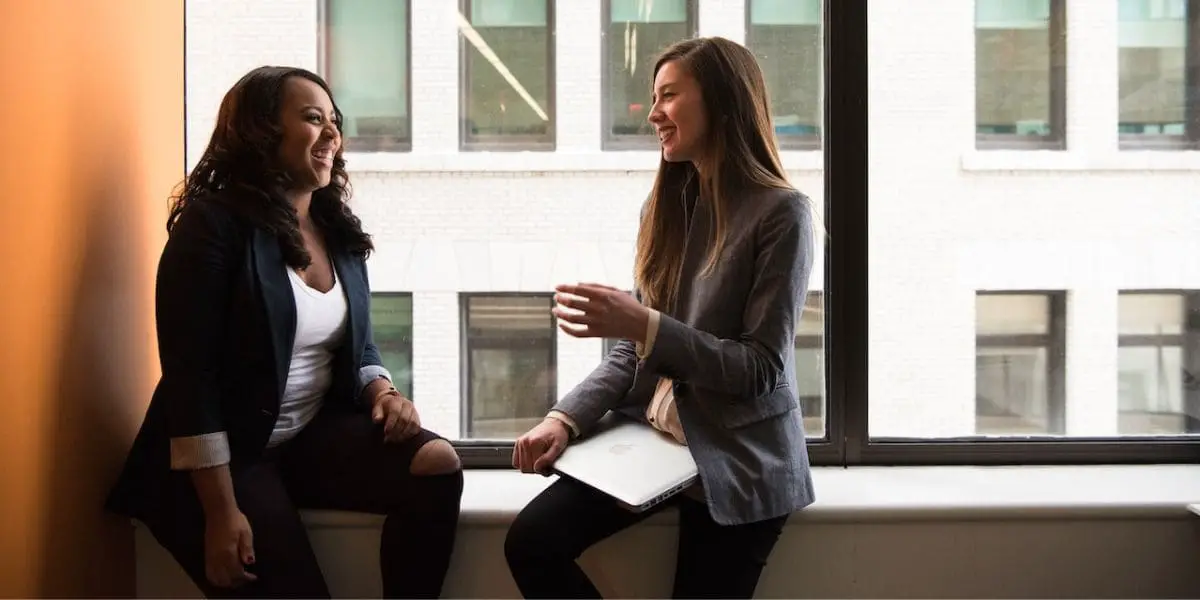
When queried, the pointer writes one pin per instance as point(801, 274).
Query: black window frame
point(792, 141)
point(626, 142)
point(370, 143)
point(470, 449)
point(1188, 342)
point(1190, 139)
point(468, 142)
point(847, 316)
point(1057, 139)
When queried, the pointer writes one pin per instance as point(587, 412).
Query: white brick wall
point(945, 220)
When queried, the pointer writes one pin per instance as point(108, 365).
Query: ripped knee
point(436, 457)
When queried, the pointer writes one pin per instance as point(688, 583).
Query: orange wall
point(91, 143)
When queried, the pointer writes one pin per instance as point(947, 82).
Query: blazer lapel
point(278, 302)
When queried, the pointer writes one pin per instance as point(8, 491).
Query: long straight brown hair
point(740, 155)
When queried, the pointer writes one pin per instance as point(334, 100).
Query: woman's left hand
point(598, 310)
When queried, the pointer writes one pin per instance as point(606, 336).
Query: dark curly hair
point(239, 170)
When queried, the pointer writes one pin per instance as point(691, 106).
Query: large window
point(1158, 66)
point(366, 61)
point(1020, 80)
point(1019, 354)
point(785, 36)
point(1159, 350)
point(507, 74)
point(985, 290)
point(392, 327)
point(510, 353)
point(634, 32)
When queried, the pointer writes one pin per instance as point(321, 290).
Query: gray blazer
point(729, 346)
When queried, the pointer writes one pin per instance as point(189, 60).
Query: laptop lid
point(630, 461)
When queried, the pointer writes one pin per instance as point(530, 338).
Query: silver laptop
point(630, 461)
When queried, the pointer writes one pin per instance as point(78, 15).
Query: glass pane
point(372, 93)
point(392, 326)
point(1014, 389)
point(785, 35)
point(810, 364)
point(1024, 293)
point(637, 31)
point(507, 78)
point(1152, 52)
point(1157, 364)
point(510, 371)
point(1150, 314)
point(1014, 50)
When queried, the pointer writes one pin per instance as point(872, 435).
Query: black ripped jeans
point(714, 561)
point(338, 462)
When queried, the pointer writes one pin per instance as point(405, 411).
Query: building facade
point(1033, 214)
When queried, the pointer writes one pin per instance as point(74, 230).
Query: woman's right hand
point(535, 451)
point(228, 548)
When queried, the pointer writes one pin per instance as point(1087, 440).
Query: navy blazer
point(226, 322)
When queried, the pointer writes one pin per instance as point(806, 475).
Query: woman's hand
point(228, 549)
point(535, 451)
point(598, 310)
point(398, 415)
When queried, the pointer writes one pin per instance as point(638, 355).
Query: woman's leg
point(341, 462)
point(721, 561)
point(283, 559)
point(553, 530)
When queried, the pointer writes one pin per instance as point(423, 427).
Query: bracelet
point(390, 390)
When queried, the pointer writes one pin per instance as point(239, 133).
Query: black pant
point(338, 462)
point(714, 561)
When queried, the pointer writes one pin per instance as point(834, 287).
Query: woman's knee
point(437, 457)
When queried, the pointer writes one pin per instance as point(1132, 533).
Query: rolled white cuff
point(370, 373)
point(199, 451)
point(644, 350)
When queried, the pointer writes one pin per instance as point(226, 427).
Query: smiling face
point(310, 135)
point(678, 114)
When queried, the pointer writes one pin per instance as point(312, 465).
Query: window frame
point(1190, 139)
point(369, 144)
point(465, 347)
point(1057, 139)
point(1188, 342)
point(846, 162)
point(625, 142)
point(468, 142)
point(792, 141)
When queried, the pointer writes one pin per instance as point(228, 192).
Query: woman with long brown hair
point(724, 255)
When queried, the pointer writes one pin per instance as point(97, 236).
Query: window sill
point(1055, 160)
point(527, 161)
point(898, 494)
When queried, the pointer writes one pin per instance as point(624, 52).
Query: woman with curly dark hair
point(273, 396)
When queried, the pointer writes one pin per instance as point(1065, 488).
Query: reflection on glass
point(1152, 53)
point(1014, 53)
point(508, 78)
point(366, 65)
point(510, 351)
point(392, 327)
point(785, 36)
point(637, 31)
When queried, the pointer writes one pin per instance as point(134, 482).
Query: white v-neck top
point(320, 329)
